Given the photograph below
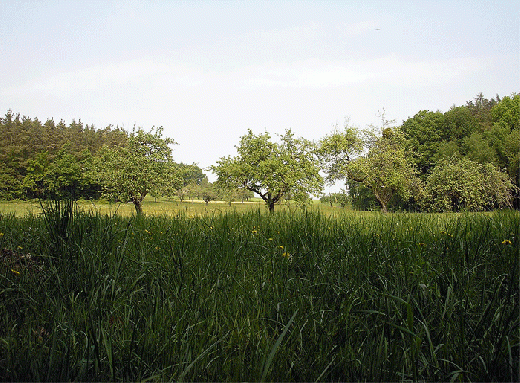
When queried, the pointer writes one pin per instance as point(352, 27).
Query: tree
point(65, 177)
point(271, 169)
point(129, 173)
point(341, 198)
point(191, 174)
point(362, 197)
point(480, 108)
point(424, 133)
point(386, 169)
point(208, 192)
point(462, 184)
point(336, 151)
point(504, 137)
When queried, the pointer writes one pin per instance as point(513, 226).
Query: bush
point(461, 184)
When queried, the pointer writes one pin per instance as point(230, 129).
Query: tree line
point(57, 161)
point(464, 159)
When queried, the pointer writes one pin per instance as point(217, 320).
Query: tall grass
point(290, 296)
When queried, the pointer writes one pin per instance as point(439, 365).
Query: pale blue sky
point(209, 70)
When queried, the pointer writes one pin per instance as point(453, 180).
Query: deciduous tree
point(336, 151)
point(462, 184)
point(129, 173)
point(272, 169)
point(386, 169)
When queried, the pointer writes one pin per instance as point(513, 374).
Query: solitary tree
point(271, 169)
point(129, 173)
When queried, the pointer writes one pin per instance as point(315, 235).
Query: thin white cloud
point(149, 77)
point(146, 74)
point(389, 70)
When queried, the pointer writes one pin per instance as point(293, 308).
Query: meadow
point(237, 294)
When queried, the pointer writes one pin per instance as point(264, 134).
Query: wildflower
point(281, 247)
point(286, 255)
point(506, 242)
point(254, 232)
point(422, 244)
point(20, 248)
point(15, 271)
point(157, 247)
point(1, 234)
point(269, 239)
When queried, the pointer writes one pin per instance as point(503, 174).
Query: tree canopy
point(272, 169)
point(336, 151)
point(129, 173)
point(386, 169)
point(462, 184)
point(414, 165)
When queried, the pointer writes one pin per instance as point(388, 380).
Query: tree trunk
point(381, 199)
point(270, 202)
point(138, 206)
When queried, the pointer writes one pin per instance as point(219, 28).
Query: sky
point(207, 71)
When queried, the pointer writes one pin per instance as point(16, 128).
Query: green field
point(221, 293)
point(163, 206)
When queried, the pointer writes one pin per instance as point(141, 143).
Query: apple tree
point(143, 165)
point(271, 169)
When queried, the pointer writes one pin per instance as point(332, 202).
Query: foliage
point(483, 131)
point(55, 160)
point(336, 151)
point(28, 149)
point(386, 169)
point(66, 177)
point(130, 172)
point(270, 169)
point(208, 192)
point(342, 198)
point(424, 133)
point(361, 196)
point(504, 138)
point(467, 185)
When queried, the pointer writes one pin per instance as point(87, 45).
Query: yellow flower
point(15, 271)
point(270, 239)
point(286, 255)
point(422, 244)
point(20, 247)
point(281, 247)
point(254, 232)
point(1, 234)
point(506, 242)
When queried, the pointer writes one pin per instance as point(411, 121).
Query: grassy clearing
point(291, 296)
point(152, 206)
